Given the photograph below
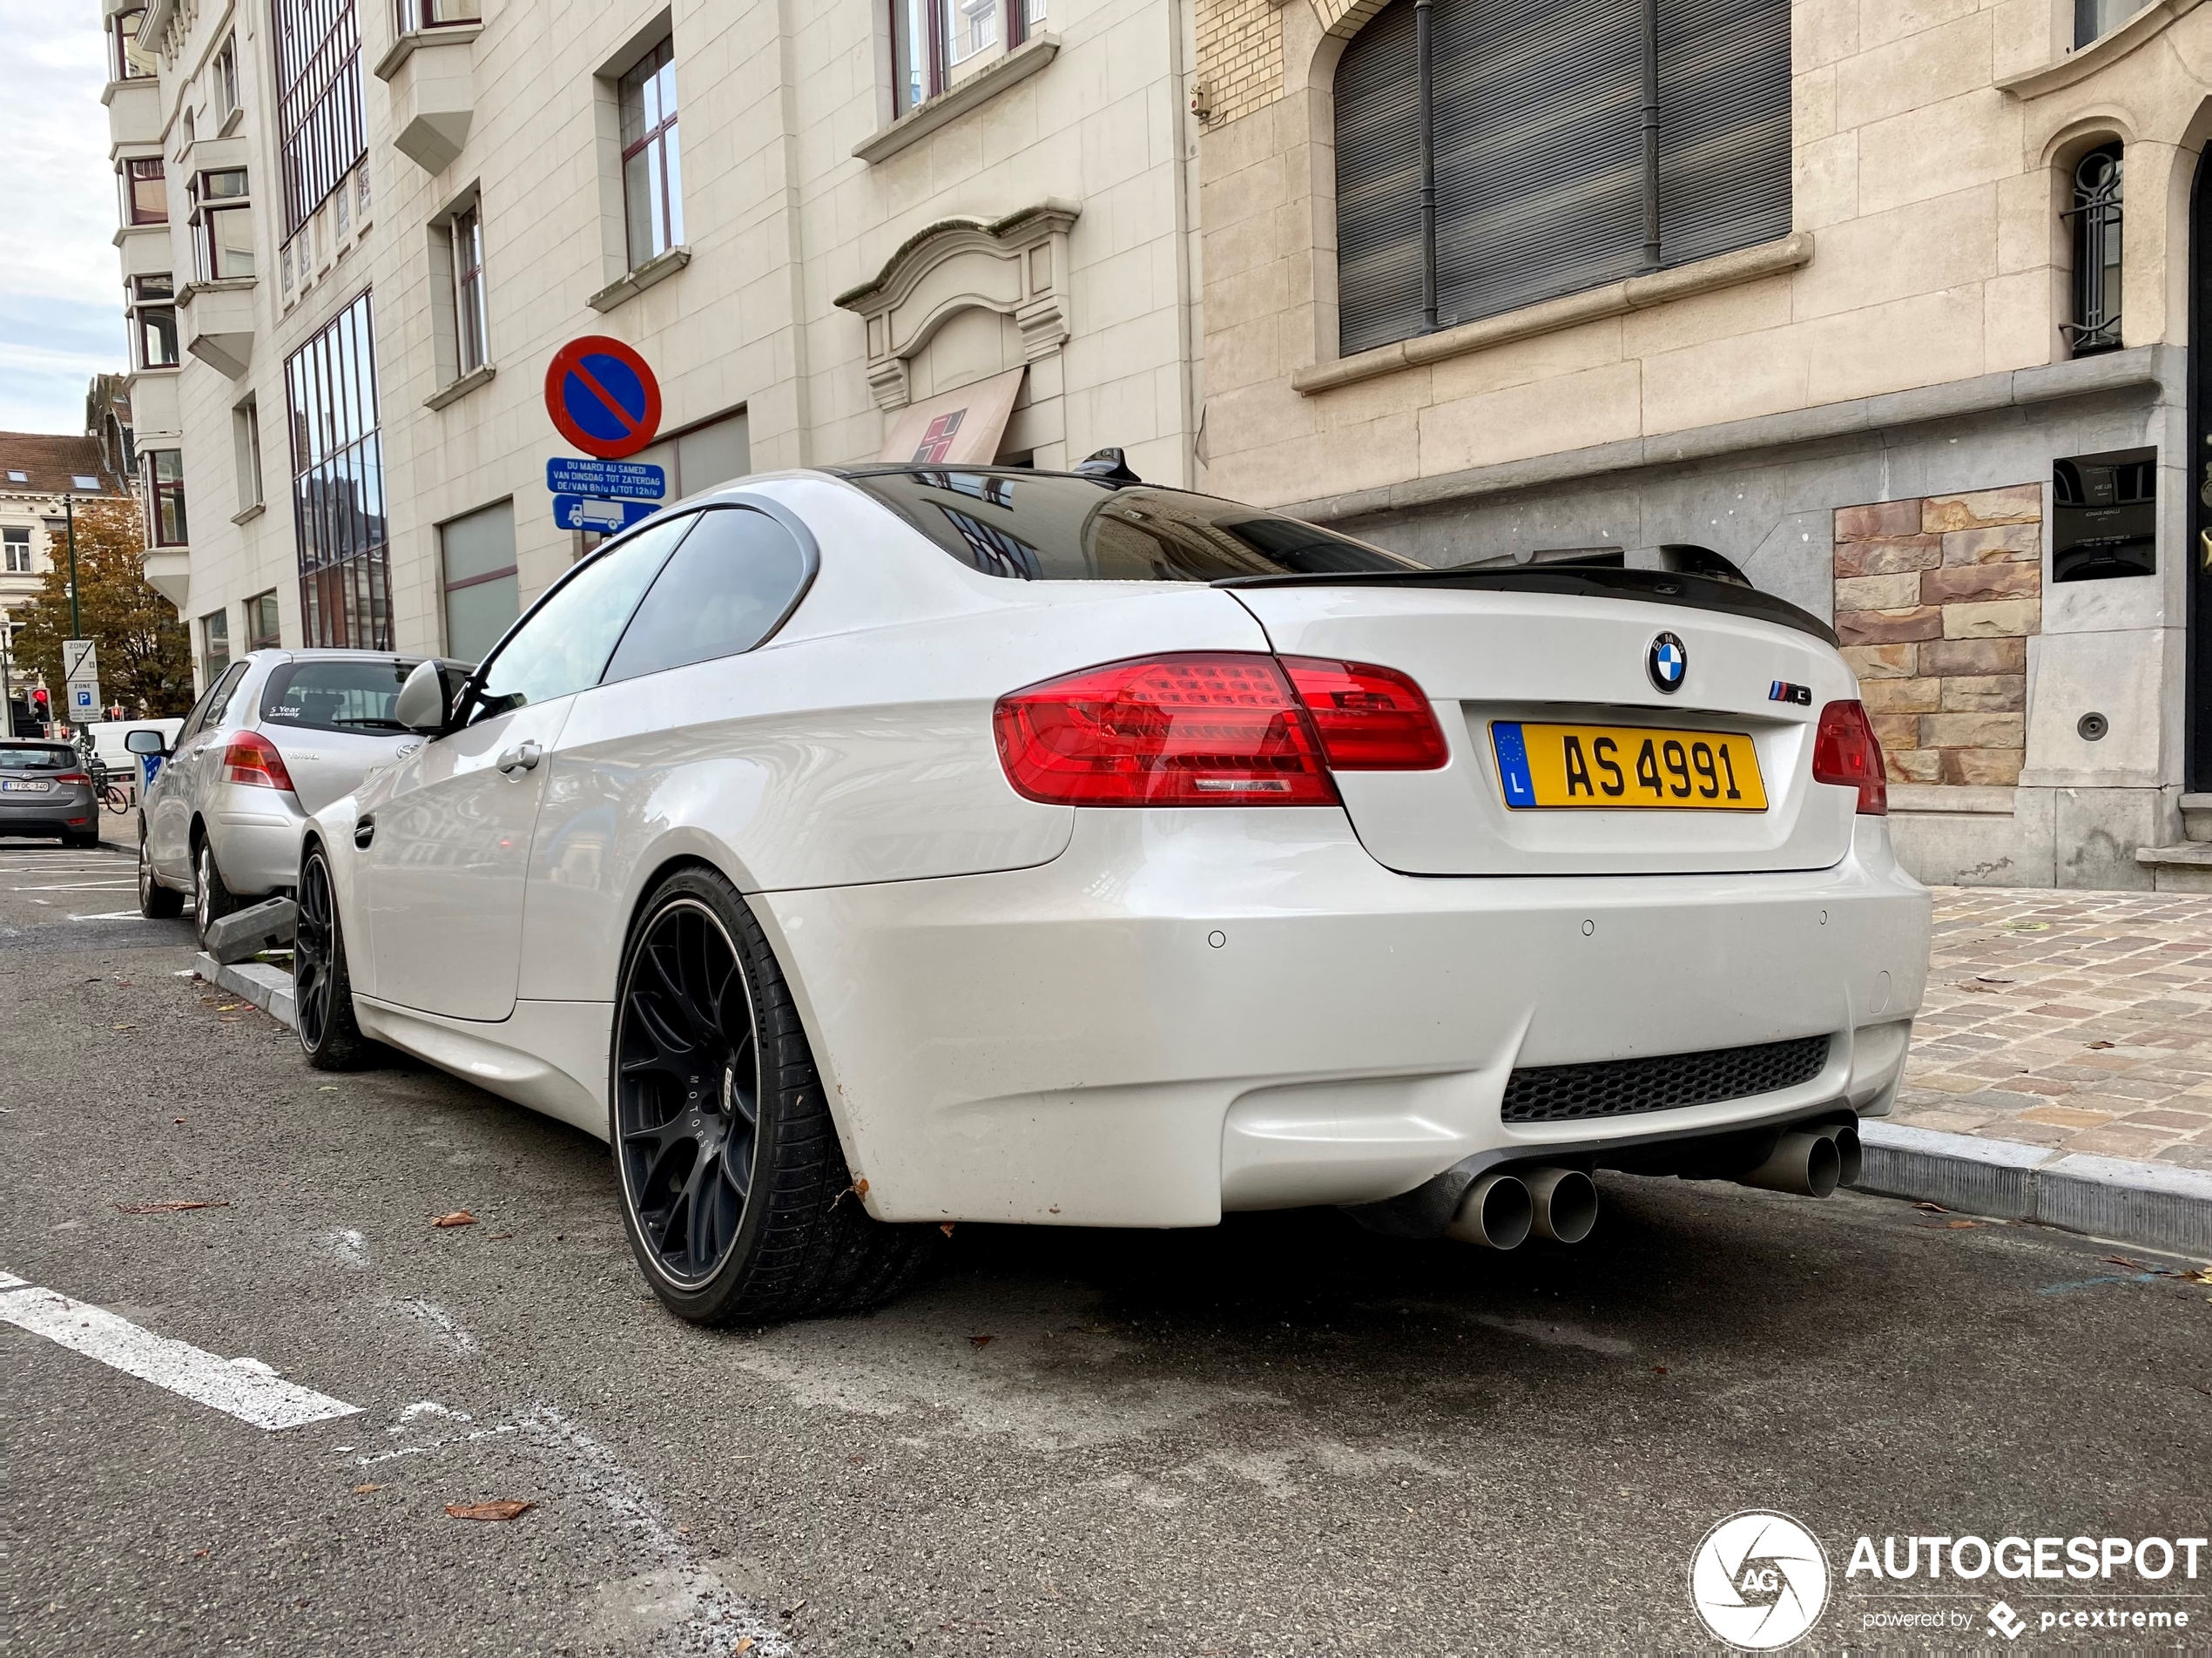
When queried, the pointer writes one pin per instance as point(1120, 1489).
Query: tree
point(145, 652)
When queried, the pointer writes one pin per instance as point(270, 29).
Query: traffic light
point(42, 705)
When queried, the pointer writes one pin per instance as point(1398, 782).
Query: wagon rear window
point(1058, 526)
point(37, 759)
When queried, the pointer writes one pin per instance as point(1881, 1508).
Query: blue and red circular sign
point(602, 398)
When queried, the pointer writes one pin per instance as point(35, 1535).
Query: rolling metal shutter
point(1379, 184)
point(1539, 108)
point(1723, 125)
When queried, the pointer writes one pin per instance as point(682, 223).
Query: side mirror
point(425, 703)
point(146, 740)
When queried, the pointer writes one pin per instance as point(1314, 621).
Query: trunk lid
point(1572, 652)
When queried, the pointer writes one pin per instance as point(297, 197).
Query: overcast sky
point(60, 299)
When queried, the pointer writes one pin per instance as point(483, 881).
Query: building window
point(214, 645)
point(150, 302)
point(2094, 220)
point(222, 225)
point(652, 185)
point(471, 326)
point(145, 191)
point(246, 441)
point(412, 17)
point(481, 595)
point(262, 631)
point(319, 101)
point(126, 62)
point(1491, 157)
point(934, 40)
point(15, 543)
point(338, 484)
point(224, 78)
point(2093, 19)
point(166, 497)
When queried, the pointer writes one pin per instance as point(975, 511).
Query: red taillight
point(1845, 751)
point(85, 777)
point(1368, 718)
point(252, 759)
point(1222, 728)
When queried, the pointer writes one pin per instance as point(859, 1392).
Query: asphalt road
point(1285, 1436)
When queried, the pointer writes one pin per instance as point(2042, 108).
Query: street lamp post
point(69, 509)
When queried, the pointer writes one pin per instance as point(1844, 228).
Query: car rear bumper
point(1189, 1012)
point(69, 811)
point(255, 834)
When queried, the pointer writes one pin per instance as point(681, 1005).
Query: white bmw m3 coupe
point(862, 851)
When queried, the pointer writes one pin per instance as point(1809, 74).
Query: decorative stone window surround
point(954, 102)
point(1016, 265)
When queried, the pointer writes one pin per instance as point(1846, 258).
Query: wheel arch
point(673, 861)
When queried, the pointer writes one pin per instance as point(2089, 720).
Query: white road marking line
point(439, 1324)
point(79, 886)
point(109, 915)
point(245, 1388)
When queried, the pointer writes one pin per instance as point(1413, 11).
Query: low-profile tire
point(322, 990)
point(212, 900)
point(733, 1187)
point(156, 902)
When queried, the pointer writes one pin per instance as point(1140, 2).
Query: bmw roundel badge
point(1668, 662)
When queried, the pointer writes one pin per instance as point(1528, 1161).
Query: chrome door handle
point(521, 758)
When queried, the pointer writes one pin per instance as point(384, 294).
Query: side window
point(729, 585)
point(563, 644)
point(238, 706)
point(204, 716)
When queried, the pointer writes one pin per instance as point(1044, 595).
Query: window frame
point(144, 310)
point(124, 61)
point(340, 525)
point(215, 633)
point(323, 136)
point(245, 442)
point(208, 213)
point(424, 16)
point(259, 608)
point(139, 176)
point(654, 146)
point(471, 304)
point(12, 537)
point(223, 76)
point(163, 493)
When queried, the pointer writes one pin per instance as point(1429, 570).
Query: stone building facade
point(1883, 399)
point(356, 232)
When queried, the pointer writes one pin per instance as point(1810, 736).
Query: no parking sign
point(603, 397)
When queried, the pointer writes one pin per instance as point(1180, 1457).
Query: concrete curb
point(268, 988)
point(2154, 1204)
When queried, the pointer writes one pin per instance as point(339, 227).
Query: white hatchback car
point(863, 850)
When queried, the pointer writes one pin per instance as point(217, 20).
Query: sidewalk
point(2079, 1022)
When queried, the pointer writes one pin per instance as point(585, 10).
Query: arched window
point(2094, 218)
point(1491, 153)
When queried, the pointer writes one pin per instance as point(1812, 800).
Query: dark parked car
point(45, 789)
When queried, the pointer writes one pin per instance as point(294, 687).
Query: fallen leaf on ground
point(228, 1007)
point(2132, 1266)
point(1932, 1208)
point(983, 1341)
point(176, 1119)
point(743, 1646)
point(1984, 978)
point(459, 1217)
point(363, 1491)
point(946, 1229)
point(327, 1087)
point(1956, 1226)
point(175, 1208)
point(2096, 1044)
point(496, 1236)
point(1658, 1370)
point(502, 1510)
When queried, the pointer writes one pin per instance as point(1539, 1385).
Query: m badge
point(1668, 662)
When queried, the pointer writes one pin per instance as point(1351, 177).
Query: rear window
point(22, 757)
point(336, 696)
point(1055, 527)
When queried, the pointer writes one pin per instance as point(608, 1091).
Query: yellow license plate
point(1614, 766)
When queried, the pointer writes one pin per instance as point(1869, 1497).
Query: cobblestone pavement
point(2073, 1020)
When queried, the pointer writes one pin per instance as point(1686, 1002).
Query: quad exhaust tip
point(1811, 1163)
point(1502, 1209)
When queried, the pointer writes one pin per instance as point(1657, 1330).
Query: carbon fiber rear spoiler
point(1648, 587)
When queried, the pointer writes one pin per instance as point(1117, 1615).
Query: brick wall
point(1240, 55)
point(1936, 599)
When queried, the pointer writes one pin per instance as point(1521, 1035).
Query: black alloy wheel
point(688, 1082)
point(322, 991)
point(155, 901)
point(735, 1192)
